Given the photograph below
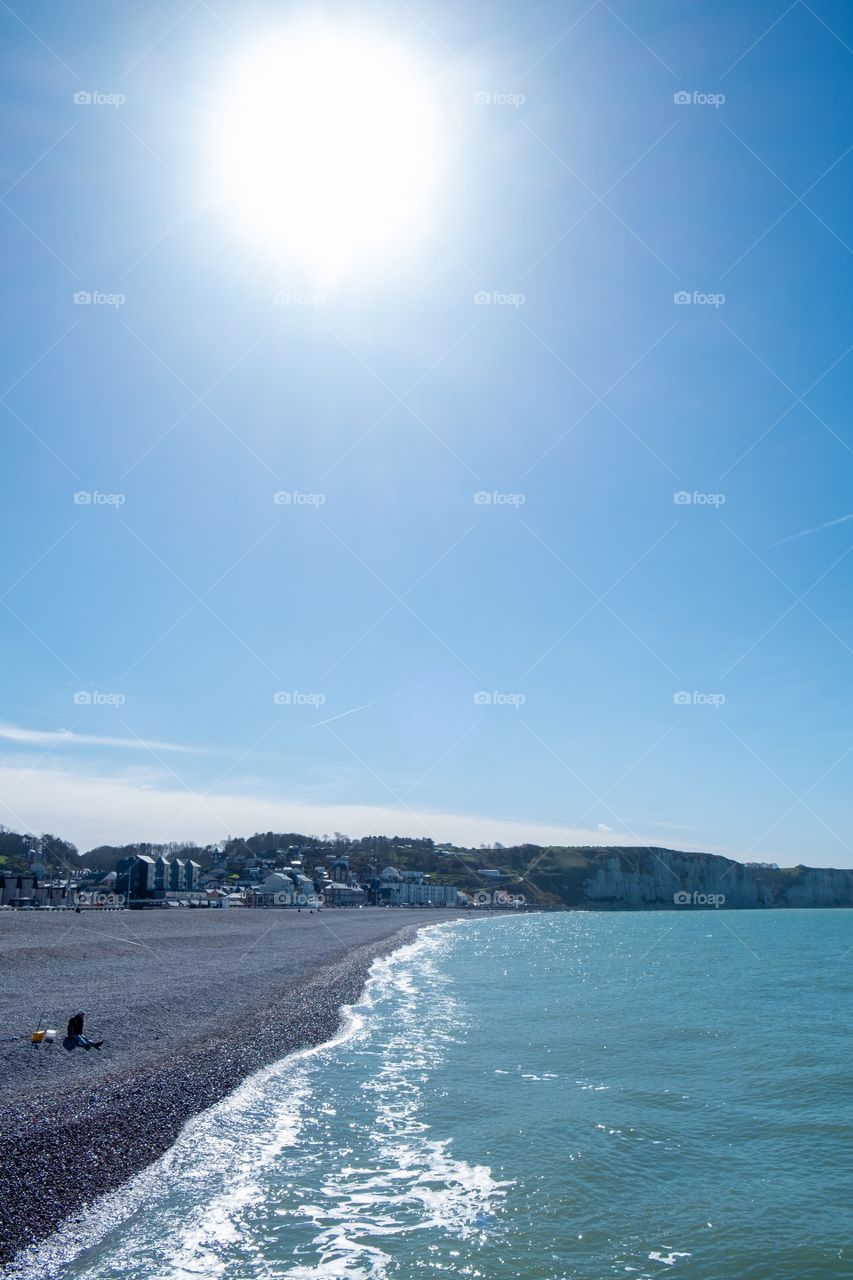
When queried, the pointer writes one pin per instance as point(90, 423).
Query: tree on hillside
point(18, 852)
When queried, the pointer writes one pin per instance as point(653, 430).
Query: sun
point(326, 153)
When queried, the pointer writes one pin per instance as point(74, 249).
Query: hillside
point(591, 877)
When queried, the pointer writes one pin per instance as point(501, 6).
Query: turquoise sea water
point(535, 1098)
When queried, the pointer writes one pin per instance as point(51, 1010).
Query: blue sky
point(581, 197)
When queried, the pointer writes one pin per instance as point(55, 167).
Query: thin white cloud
point(67, 738)
point(92, 809)
point(827, 524)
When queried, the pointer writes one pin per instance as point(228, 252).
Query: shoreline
point(61, 1153)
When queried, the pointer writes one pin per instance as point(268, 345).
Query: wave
point(193, 1212)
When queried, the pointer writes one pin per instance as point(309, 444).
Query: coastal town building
point(146, 881)
point(420, 895)
point(135, 876)
point(283, 889)
point(28, 891)
point(342, 873)
point(343, 895)
point(18, 890)
point(412, 888)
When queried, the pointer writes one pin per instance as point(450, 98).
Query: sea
point(529, 1097)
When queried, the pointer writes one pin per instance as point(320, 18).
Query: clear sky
point(477, 670)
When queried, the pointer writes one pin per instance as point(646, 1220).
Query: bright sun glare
point(327, 155)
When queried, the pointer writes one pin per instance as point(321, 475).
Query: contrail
point(804, 532)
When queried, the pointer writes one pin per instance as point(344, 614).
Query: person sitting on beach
point(75, 1032)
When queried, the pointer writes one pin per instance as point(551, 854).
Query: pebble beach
point(187, 1002)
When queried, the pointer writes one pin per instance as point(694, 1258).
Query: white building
point(421, 895)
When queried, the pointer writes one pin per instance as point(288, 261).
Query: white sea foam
point(668, 1259)
point(412, 1182)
